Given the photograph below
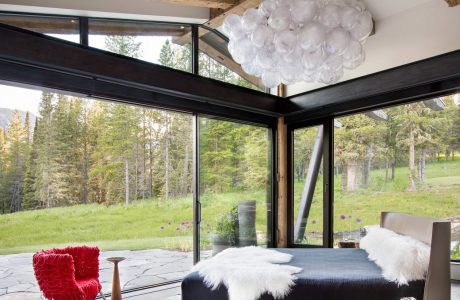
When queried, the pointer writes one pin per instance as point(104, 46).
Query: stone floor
point(140, 268)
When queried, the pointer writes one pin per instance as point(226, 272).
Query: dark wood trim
point(84, 35)
point(54, 54)
point(422, 79)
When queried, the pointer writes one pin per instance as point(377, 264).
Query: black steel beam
point(415, 81)
point(55, 54)
point(91, 87)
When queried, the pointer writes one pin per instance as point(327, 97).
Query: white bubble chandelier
point(288, 41)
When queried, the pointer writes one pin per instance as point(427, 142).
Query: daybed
point(333, 274)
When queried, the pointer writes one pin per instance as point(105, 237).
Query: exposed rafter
point(223, 4)
point(453, 2)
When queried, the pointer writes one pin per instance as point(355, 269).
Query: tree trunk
point(387, 165)
point(423, 165)
point(352, 176)
point(126, 181)
point(167, 163)
point(367, 167)
point(412, 187)
point(447, 153)
point(185, 175)
point(344, 178)
point(136, 173)
point(393, 170)
point(84, 195)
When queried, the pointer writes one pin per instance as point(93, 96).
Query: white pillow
point(402, 258)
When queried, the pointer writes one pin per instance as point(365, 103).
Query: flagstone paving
point(144, 267)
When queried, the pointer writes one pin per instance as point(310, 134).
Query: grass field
point(166, 224)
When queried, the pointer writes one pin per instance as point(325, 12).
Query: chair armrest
point(54, 271)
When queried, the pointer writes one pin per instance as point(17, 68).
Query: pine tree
point(15, 161)
point(46, 176)
point(3, 197)
point(124, 45)
point(30, 201)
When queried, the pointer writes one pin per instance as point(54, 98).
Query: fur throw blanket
point(402, 258)
point(249, 272)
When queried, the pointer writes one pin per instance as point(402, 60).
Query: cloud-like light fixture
point(288, 41)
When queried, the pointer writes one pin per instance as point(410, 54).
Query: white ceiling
point(406, 31)
point(151, 10)
point(382, 9)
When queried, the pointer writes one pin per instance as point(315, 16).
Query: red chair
point(71, 273)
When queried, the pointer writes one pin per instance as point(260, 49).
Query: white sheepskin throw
point(402, 258)
point(249, 272)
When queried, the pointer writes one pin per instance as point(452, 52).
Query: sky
point(29, 99)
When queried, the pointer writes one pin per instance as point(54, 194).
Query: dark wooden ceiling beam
point(50, 53)
point(418, 80)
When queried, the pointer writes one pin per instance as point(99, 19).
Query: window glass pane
point(78, 171)
point(61, 27)
point(165, 44)
point(235, 185)
point(217, 63)
point(308, 186)
point(401, 159)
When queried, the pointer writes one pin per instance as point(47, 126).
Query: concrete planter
point(455, 270)
point(219, 243)
point(247, 223)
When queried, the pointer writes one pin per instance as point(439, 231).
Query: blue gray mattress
point(328, 274)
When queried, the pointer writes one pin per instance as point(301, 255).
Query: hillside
point(6, 113)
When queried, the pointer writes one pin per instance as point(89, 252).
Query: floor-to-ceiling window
point(403, 159)
point(399, 159)
point(235, 185)
point(78, 171)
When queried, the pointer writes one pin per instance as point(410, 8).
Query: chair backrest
point(85, 260)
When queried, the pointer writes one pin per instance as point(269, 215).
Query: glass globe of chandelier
point(288, 41)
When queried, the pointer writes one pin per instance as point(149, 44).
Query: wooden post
point(282, 233)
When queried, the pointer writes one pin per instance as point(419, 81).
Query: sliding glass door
point(235, 194)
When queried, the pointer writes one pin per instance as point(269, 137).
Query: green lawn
point(138, 225)
point(439, 197)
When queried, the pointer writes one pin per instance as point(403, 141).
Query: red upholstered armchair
point(70, 273)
